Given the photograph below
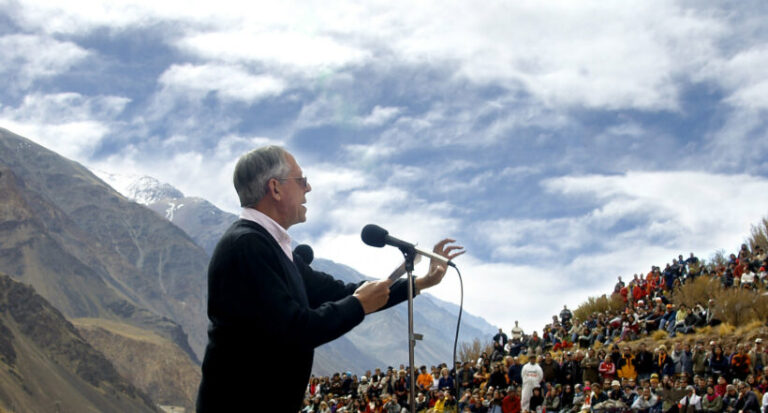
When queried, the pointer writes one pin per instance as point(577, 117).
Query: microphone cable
point(456, 339)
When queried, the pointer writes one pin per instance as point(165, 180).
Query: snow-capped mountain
point(200, 219)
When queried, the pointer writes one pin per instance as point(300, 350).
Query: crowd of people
point(590, 364)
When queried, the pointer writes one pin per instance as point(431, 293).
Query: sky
point(563, 143)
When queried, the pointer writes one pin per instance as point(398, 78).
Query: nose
point(307, 188)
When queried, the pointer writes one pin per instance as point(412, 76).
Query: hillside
point(93, 253)
point(45, 365)
point(152, 363)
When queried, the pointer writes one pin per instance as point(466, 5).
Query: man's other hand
point(372, 295)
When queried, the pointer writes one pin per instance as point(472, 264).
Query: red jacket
point(510, 404)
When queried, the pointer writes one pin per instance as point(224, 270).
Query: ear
point(273, 188)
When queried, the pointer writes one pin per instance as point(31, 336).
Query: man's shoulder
point(242, 230)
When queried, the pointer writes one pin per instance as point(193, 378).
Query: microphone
point(377, 236)
point(305, 252)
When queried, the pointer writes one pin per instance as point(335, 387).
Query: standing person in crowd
point(465, 376)
point(718, 362)
point(514, 372)
point(607, 369)
point(644, 362)
point(589, 367)
point(517, 332)
point(626, 368)
point(424, 380)
point(758, 357)
point(740, 365)
point(500, 339)
point(565, 315)
point(532, 378)
point(570, 371)
point(264, 300)
point(663, 364)
point(550, 368)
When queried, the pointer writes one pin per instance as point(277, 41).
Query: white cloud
point(68, 123)
point(380, 115)
point(302, 52)
point(626, 55)
point(229, 82)
point(26, 58)
point(743, 75)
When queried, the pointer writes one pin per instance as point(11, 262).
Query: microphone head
point(374, 235)
point(305, 252)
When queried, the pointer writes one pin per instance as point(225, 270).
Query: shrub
point(759, 235)
point(698, 291)
point(600, 304)
point(740, 307)
point(472, 351)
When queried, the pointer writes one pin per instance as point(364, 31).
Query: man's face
point(292, 195)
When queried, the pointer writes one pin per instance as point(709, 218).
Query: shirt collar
point(273, 228)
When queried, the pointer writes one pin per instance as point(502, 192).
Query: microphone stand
point(410, 254)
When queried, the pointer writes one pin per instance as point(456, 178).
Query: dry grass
point(600, 304)
point(749, 327)
point(725, 329)
point(659, 335)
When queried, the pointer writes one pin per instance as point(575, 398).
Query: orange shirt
point(424, 380)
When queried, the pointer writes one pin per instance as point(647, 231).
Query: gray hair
point(255, 168)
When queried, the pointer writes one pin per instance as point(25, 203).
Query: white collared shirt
point(275, 230)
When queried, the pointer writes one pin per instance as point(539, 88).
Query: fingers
point(373, 295)
point(448, 251)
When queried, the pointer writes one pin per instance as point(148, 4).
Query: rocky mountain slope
point(152, 363)
point(45, 365)
point(93, 253)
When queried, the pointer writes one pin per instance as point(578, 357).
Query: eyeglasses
point(302, 180)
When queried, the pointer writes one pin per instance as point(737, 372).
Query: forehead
point(292, 162)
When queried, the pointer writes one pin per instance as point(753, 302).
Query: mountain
point(45, 365)
point(93, 253)
point(380, 341)
point(200, 219)
point(155, 365)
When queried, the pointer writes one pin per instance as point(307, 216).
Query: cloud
point(229, 82)
point(693, 210)
point(380, 115)
point(68, 123)
point(301, 52)
point(593, 55)
point(27, 57)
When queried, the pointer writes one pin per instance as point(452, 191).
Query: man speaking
point(268, 309)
